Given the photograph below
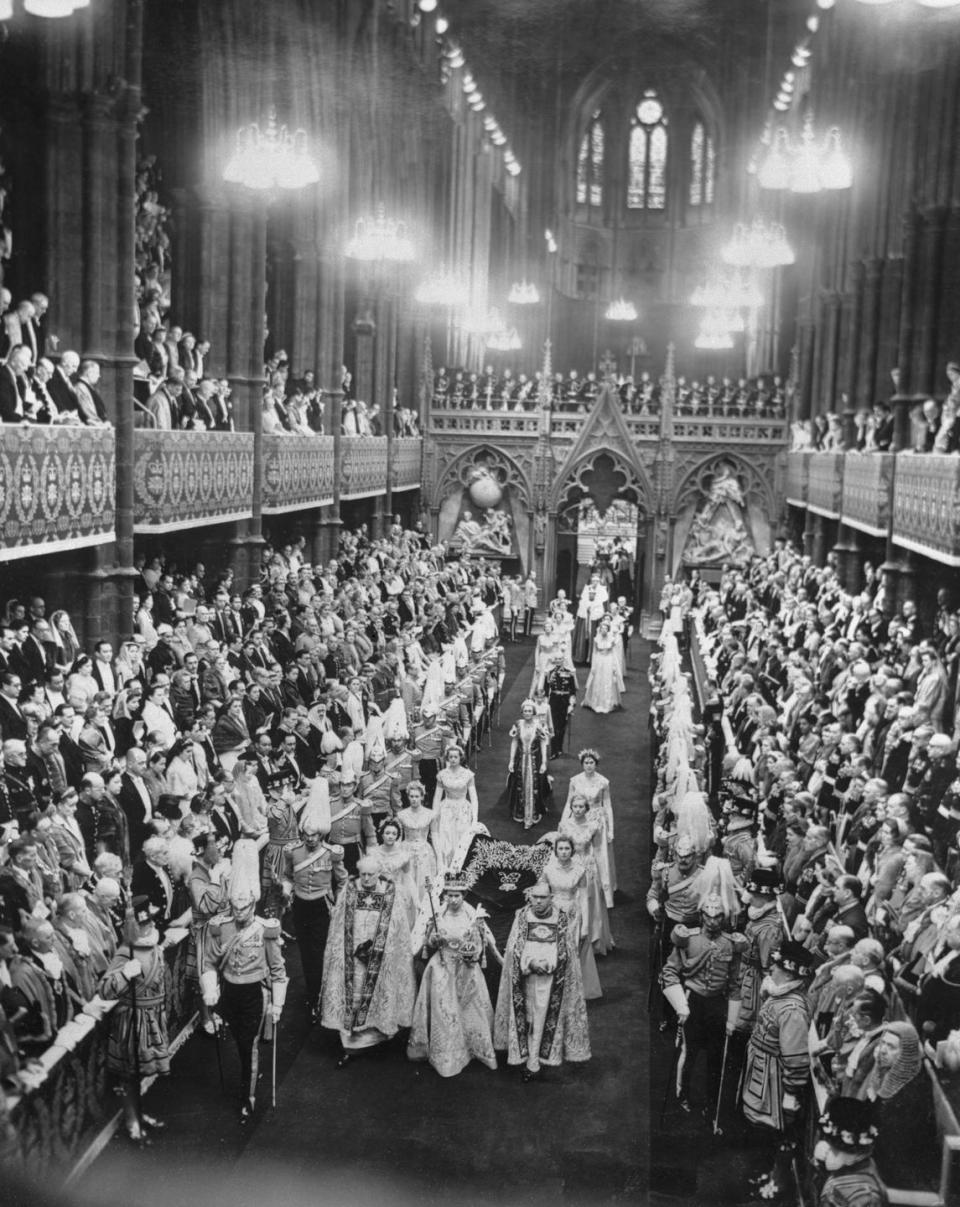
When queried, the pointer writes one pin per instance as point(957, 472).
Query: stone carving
point(492, 534)
point(719, 533)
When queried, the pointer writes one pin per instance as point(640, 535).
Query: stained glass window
point(590, 164)
point(702, 166)
point(647, 177)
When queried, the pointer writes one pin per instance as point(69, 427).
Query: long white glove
point(278, 993)
point(132, 968)
point(210, 988)
point(678, 1000)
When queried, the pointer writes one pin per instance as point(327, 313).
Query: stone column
point(364, 330)
point(931, 255)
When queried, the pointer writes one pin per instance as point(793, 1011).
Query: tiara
point(588, 752)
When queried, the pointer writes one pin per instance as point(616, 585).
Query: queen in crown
point(453, 1015)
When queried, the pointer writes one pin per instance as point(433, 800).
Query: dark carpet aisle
point(389, 1131)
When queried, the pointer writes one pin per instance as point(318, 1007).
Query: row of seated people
point(114, 765)
point(841, 776)
point(573, 392)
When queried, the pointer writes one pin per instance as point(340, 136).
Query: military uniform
point(349, 827)
point(248, 960)
point(708, 969)
point(311, 880)
point(430, 740)
point(675, 892)
point(740, 847)
point(377, 792)
point(561, 685)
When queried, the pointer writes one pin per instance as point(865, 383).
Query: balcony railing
point(825, 485)
point(407, 460)
point(185, 478)
point(643, 428)
point(867, 478)
point(798, 478)
point(926, 515)
point(57, 489)
point(298, 471)
point(363, 466)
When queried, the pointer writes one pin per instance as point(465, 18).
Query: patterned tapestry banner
point(297, 472)
point(57, 489)
point(180, 478)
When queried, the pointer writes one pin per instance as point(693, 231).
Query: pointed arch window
point(590, 164)
point(703, 165)
point(647, 176)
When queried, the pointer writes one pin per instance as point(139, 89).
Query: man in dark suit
point(61, 385)
point(12, 721)
point(70, 751)
point(152, 880)
point(38, 652)
point(13, 386)
point(135, 799)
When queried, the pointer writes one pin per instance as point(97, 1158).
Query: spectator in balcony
point(164, 403)
point(15, 394)
point(348, 423)
point(880, 432)
point(204, 399)
point(270, 416)
point(820, 429)
point(62, 386)
point(158, 358)
point(93, 412)
point(926, 423)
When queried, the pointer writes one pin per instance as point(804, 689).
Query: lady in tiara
point(528, 788)
point(595, 790)
point(453, 1015)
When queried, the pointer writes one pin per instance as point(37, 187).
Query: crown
point(454, 882)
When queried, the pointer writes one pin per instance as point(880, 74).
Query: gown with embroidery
point(455, 812)
point(528, 788)
point(453, 1015)
point(596, 921)
point(605, 681)
point(571, 892)
point(416, 840)
point(394, 864)
point(595, 790)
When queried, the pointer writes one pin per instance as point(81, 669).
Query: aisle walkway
point(580, 1136)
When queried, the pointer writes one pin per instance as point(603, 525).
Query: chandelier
point(728, 290)
point(621, 311)
point(716, 329)
point(272, 158)
point(758, 246)
point(524, 293)
point(380, 238)
point(443, 289)
point(505, 341)
point(44, 8)
point(806, 167)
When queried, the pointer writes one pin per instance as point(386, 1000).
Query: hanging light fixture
point(426, 6)
point(774, 172)
point(726, 289)
point(443, 289)
point(939, 3)
point(758, 246)
point(505, 341)
point(6, 10)
point(442, 25)
point(272, 158)
point(715, 330)
point(380, 238)
point(875, 3)
point(454, 55)
point(523, 293)
point(826, 5)
point(836, 172)
point(621, 311)
point(50, 9)
point(804, 175)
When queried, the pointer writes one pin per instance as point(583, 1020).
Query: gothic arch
point(629, 476)
point(693, 486)
point(509, 472)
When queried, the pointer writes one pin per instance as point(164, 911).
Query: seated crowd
point(835, 815)
point(125, 771)
point(933, 426)
point(575, 393)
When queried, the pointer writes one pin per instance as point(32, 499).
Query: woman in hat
point(453, 1014)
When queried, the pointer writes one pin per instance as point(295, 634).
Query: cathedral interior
point(543, 278)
